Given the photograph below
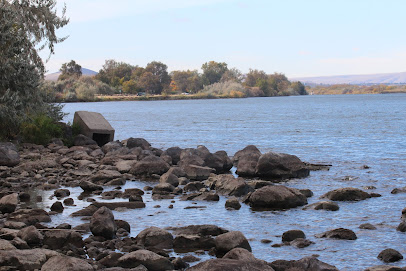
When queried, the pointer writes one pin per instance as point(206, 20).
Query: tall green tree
point(26, 27)
point(70, 69)
point(213, 71)
point(160, 71)
point(187, 81)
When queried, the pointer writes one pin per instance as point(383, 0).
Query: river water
point(347, 131)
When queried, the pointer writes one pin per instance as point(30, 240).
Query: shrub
point(225, 89)
point(40, 130)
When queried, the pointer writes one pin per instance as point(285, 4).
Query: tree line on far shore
point(216, 80)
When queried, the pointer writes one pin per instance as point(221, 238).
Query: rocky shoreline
point(103, 242)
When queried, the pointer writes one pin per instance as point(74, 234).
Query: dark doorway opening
point(101, 139)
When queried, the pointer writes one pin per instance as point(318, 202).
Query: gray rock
point(246, 161)
point(154, 237)
point(31, 235)
point(65, 263)
point(227, 241)
point(276, 197)
point(346, 194)
point(274, 165)
point(189, 242)
point(174, 153)
point(137, 142)
point(323, 205)
point(149, 259)
point(291, 235)
point(390, 255)
point(231, 265)
point(59, 239)
point(169, 178)
point(102, 223)
point(227, 184)
point(199, 173)
point(29, 216)
point(82, 140)
point(193, 186)
point(25, 259)
point(150, 165)
point(304, 264)
point(89, 186)
point(9, 154)
point(301, 243)
point(339, 233)
point(233, 203)
point(9, 203)
point(57, 207)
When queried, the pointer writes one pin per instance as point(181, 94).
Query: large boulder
point(274, 165)
point(25, 259)
point(65, 263)
point(227, 241)
point(304, 264)
point(60, 238)
point(192, 242)
point(227, 184)
point(198, 173)
point(276, 197)
point(150, 165)
point(102, 223)
point(9, 154)
point(149, 259)
point(346, 194)
point(227, 163)
point(174, 153)
point(31, 236)
point(89, 186)
point(169, 178)
point(9, 203)
point(154, 237)
point(246, 161)
point(82, 140)
point(138, 142)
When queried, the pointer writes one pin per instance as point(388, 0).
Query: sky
point(295, 37)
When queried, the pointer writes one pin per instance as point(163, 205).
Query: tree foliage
point(187, 81)
point(70, 69)
point(26, 27)
point(213, 71)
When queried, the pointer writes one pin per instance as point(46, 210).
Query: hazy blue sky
point(295, 37)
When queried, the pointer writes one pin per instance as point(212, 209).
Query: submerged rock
point(346, 194)
point(323, 205)
point(304, 264)
point(339, 233)
point(390, 255)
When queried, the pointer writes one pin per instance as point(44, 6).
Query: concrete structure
point(95, 126)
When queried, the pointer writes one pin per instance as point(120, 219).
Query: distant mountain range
point(54, 76)
point(362, 79)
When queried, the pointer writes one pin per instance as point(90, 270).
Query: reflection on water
point(345, 131)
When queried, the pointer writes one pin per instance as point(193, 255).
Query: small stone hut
point(95, 126)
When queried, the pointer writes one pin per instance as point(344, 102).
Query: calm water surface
point(346, 131)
